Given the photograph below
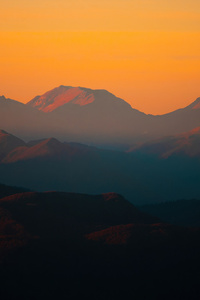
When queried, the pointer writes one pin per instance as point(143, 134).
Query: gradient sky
point(146, 52)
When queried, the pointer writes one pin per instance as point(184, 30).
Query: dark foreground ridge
point(181, 212)
point(55, 245)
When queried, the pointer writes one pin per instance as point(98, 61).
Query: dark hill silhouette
point(29, 215)
point(181, 212)
point(128, 234)
point(54, 244)
point(6, 190)
point(71, 213)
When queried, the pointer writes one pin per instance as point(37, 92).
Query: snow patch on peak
point(60, 96)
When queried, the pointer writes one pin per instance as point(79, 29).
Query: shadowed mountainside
point(185, 144)
point(49, 164)
point(71, 213)
point(181, 212)
point(6, 190)
point(8, 142)
point(54, 244)
point(176, 122)
point(22, 120)
point(70, 167)
point(45, 149)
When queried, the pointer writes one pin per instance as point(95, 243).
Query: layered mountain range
point(66, 227)
point(44, 148)
point(185, 144)
point(94, 117)
point(162, 170)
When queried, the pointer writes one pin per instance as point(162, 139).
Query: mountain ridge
point(93, 117)
point(71, 167)
point(193, 105)
point(53, 93)
point(187, 143)
point(62, 95)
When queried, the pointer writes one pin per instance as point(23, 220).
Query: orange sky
point(147, 52)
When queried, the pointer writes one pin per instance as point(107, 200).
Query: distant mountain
point(79, 96)
point(176, 122)
point(94, 117)
point(112, 119)
point(62, 95)
point(6, 190)
point(23, 120)
point(187, 144)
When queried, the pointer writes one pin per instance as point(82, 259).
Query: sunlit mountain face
point(60, 96)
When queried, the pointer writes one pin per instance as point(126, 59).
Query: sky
point(146, 52)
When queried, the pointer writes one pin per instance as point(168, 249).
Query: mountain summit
point(80, 96)
point(90, 116)
point(93, 117)
point(60, 96)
